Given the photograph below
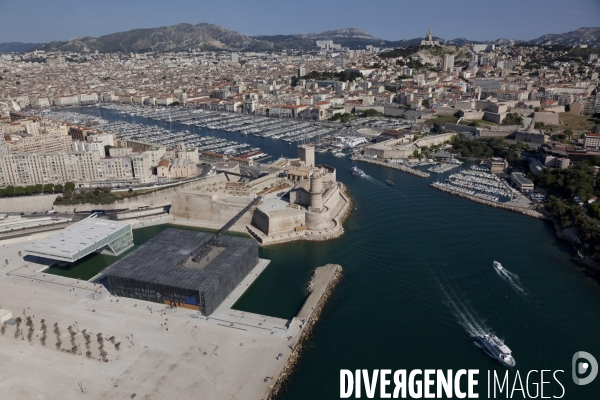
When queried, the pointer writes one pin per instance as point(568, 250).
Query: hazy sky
point(48, 20)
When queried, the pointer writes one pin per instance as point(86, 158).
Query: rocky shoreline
point(309, 325)
point(570, 236)
point(396, 166)
point(524, 211)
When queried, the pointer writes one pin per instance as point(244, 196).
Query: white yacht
point(495, 348)
point(497, 265)
point(357, 171)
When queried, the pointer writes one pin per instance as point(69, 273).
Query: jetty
point(323, 282)
point(396, 166)
point(525, 211)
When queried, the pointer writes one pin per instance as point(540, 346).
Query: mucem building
point(183, 268)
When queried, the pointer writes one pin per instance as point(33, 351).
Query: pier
point(399, 167)
point(496, 204)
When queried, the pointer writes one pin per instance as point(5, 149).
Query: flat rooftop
point(520, 178)
point(79, 239)
point(162, 259)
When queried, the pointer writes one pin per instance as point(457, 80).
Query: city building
point(591, 140)
point(192, 270)
point(42, 168)
point(448, 63)
point(90, 235)
point(521, 181)
point(496, 164)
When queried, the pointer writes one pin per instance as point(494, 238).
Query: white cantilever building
point(82, 238)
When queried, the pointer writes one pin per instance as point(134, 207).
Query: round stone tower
point(316, 192)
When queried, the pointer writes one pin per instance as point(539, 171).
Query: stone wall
point(192, 204)
point(159, 198)
point(39, 204)
point(494, 117)
point(434, 139)
point(278, 221)
point(319, 220)
point(473, 130)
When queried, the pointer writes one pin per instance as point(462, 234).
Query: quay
point(525, 211)
point(399, 167)
point(146, 349)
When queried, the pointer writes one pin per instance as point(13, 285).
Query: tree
point(512, 119)
point(569, 132)
point(9, 191)
point(69, 186)
point(425, 103)
point(58, 188)
point(595, 209)
point(37, 189)
point(370, 113)
point(130, 190)
point(29, 189)
point(48, 188)
point(19, 191)
point(438, 128)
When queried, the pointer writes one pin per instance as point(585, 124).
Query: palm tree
point(18, 321)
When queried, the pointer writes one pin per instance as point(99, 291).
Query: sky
point(39, 21)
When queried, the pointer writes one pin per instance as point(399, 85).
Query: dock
point(149, 349)
point(396, 166)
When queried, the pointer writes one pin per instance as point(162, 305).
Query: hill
point(206, 36)
point(589, 36)
point(17, 47)
point(165, 38)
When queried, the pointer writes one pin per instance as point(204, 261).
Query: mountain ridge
point(206, 36)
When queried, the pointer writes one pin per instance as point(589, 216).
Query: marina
point(201, 128)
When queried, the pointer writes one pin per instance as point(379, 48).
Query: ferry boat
point(495, 348)
point(357, 171)
point(497, 265)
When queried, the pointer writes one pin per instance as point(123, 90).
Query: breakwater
point(520, 210)
point(399, 167)
point(322, 283)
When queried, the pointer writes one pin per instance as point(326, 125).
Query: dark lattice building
point(184, 268)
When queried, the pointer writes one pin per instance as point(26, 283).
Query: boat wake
point(512, 279)
point(375, 181)
point(465, 315)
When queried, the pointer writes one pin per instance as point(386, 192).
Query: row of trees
point(343, 76)
point(345, 117)
point(489, 147)
point(30, 190)
point(98, 196)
